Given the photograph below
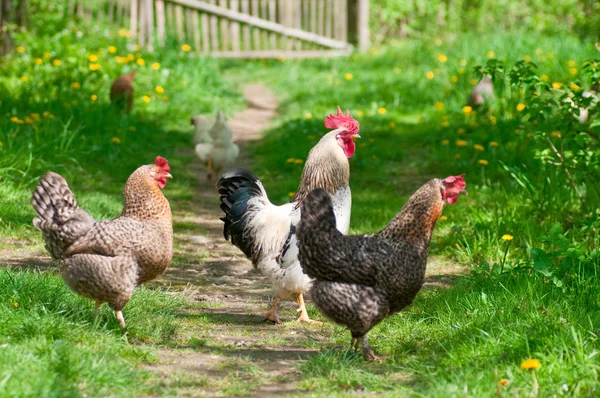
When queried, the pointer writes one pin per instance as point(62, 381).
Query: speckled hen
point(362, 279)
point(267, 233)
point(105, 260)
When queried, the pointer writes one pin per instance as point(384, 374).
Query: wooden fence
point(237, 28)
point(11, 14)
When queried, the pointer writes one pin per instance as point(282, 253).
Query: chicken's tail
point(317, 211)
point(236, 189)
point(59, 218)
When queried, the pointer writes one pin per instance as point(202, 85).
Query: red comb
point(342, 121)
point(162, 163)
point(459, 181)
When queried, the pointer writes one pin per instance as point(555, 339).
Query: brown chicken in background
point(105, 260)
point(362, 279)
point(121, 91)
point(482, 93)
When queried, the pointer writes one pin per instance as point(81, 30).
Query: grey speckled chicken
point(362, 279)
point(105, 260)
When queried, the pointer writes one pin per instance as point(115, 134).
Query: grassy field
point(533, 296)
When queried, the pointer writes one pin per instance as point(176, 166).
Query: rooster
point(121, 91)
point(362, 279)
point(105, 260)
point(214, 146)
point(267, 233)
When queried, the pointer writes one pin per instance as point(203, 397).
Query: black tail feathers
point(317, 211)
point(236, 187)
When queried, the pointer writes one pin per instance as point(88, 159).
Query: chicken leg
point(302, 310)
point(367, 351)
point(209, 164)
point(273, 314)
point(120, 318)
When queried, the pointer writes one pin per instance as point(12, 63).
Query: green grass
point(452, 342)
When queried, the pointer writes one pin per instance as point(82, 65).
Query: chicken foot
point(302, 310)
point(120, 318)
point(367, 351)
point(273, 314)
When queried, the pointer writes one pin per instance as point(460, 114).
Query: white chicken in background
point(266, 233)
point(214, 145)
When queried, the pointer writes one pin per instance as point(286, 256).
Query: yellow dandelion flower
point(282, 59)
point(555, 134)
point(146, 99)
point(443, 218)
point(308, 115)
point(159, 89)
point(20, 49)
point(28, 120)
point(461, 71)
point(94, 97)
point(527, 58)
point(467, 109)
point(92, 57)
point(1, 144)
point(348, 76)
point(574, 87)
point(539, 51)
point(124, 33)
point(445, 123)
point(112, 49)
point(479, 148)
point(15, 304)
point(94, 66)
point(529, 364)
point(76, 85)
point(24, 79)
point(47, 54)
point(463, 62)
point(39, 61)
point(483, 162)
point(454, 79)
point(544, 78)
point(571, 63)
point(140, 61)
point(130, 57)
point(298, 161)
point(382, 111)
point(35, 116)
point(442, 58)
point(493, 144)
point(439, 106)
point(14, 119)
point(507, 237)
point(491, 54)
point(186, 47)
point(461, 143)
point(504, 382)
point(492, 119)
point(520, 107)
point(429, 75)
point(445, 142)
point(461, 131)
point(473, 82)
point(290, 160)
point(392, 124)
point(56, 62)
point(360, 113)
point(164, 97)
point(573, 71)
point(156, 66)
point(116, 140)
point(556, 85)
point(291, 194)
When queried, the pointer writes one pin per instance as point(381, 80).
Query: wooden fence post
point(150, 25)
point(133, 24)
point(364, 39)
point(160, 22)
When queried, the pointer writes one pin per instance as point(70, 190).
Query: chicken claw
point(302, 310)
point(273, 314)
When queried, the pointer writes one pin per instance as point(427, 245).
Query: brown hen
point(121, 91)
point(105, 260)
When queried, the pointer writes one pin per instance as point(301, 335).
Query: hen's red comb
point(458, 181)
point(162, 163)
point(342, 121)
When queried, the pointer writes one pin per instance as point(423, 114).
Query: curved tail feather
point(59, 218)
